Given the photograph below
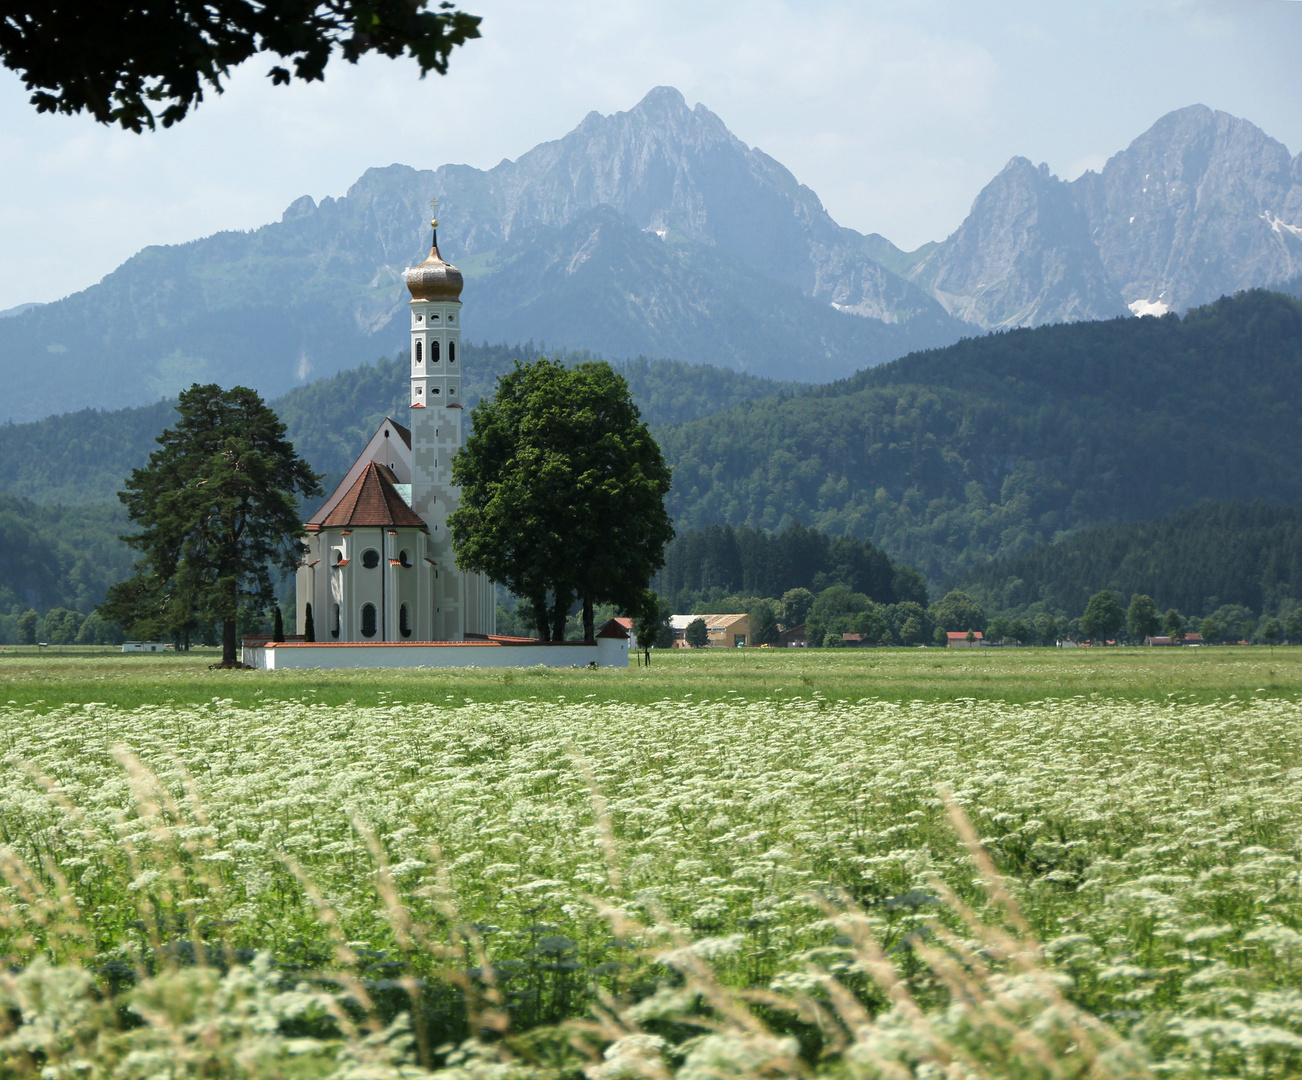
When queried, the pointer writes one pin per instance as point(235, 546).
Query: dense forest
point(717, 561)
point(83, 457)
point(1197, 561)
point(995, 445)
point(58, 557)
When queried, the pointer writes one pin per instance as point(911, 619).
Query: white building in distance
point(380, 566)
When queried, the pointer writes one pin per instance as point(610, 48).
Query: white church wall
point(287, 655)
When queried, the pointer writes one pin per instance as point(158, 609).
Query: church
point(379, 575)
point(379, 566)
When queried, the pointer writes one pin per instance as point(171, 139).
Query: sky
point(895, 113)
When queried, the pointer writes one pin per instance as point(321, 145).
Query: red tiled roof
point(613, 629)
point(372, 501)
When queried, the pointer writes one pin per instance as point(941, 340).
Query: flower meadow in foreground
point(541, 855)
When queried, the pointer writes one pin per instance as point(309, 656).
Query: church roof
point(434, 279)
point(403, 433)
point(373, 500)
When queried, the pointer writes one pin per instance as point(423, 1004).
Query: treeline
point(834, 585)
point(57, 558)
point(706, 564)
point(83, 457)
point(1238, 565)
point(996, 445)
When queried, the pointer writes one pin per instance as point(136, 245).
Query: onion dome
point(434, 279)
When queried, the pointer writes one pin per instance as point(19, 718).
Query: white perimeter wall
point(607, 652)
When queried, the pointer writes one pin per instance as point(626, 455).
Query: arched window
point(334, 630)
point(404, 558)
point(368, 620)
point(418, 352)
point(404, 621)
point(370, 558)
point(433, 352)
point(339, 557)
point(452, 352)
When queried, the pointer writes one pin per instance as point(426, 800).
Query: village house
point(724, 631)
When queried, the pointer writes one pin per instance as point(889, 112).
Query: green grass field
point(75, 675)
point(731, 864)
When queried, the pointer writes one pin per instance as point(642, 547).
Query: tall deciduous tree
point(120, 60)
point(562, 493)
point(1173, 623)
point(217, 510)
point(1142, 619)
point(958, 612)
point(1103, 616)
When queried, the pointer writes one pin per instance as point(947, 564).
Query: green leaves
point(120, 61)
point(562, 491)
point(217, 509)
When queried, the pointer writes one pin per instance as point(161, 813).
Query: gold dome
point(434, 279)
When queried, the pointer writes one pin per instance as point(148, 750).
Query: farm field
point(252, 868)
point(76, 675)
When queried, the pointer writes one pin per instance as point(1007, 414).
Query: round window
point(370, 558)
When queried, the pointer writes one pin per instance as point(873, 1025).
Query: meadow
point(886, 863)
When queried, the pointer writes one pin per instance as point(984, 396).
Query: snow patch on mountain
point(1141, 308)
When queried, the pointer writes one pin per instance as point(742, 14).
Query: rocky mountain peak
point(1022, 257)
point(1201, 204)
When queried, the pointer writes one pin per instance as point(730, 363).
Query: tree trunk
point(589, 630)
point(560, 609)
point(540, 620)
point(228, 643)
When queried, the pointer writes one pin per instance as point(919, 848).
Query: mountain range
point(656, 231)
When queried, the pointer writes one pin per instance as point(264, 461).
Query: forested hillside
point(992, 446)
point(84, 456)
point(59, 556)
point(1197, 561)
point(719, 561)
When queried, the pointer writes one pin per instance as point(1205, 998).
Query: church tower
point(378, 565)
point(461, 603)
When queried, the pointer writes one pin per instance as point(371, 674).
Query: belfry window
point(418, 352)
point(368, 620)
point(433, 352)
point(404, 621)
point(452, 352)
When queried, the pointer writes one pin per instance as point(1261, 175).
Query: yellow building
point(725, 631)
